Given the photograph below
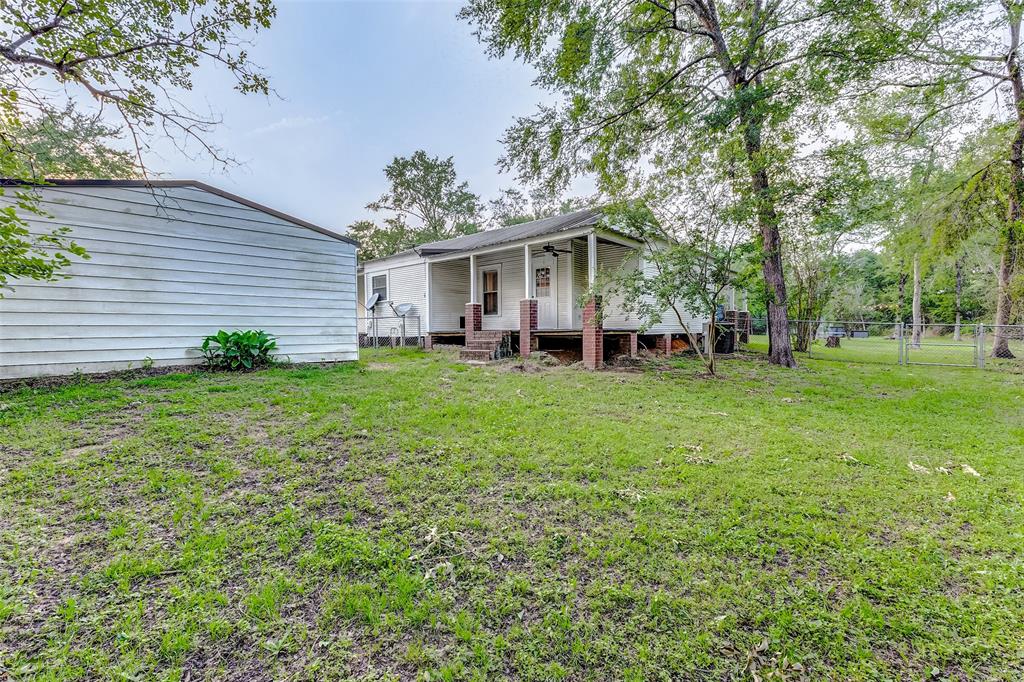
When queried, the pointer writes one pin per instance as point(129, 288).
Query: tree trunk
point(713, 333)
point(1012, 239)
point(780, 348)
point(958, 296)
point(916, 310)
point(901, 299)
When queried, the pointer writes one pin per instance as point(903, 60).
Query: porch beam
point(472, 279)
point(618, 239)
point(528, 270)
point(591, 259)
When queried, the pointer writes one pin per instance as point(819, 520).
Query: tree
point(641, 80)
point(130, 58)
point(426, 203)
point(838, 202)
point(380, 240)
point(972, 52)
point(129, 55)
point(513, 207)
point(692, 242)
point(67, 144)
point(71, 145)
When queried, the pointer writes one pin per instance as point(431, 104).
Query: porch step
point(476, 354)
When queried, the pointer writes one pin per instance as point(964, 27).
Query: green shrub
point(238, 350)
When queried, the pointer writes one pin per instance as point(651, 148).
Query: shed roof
point(194, 184)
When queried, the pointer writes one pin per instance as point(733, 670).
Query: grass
point(934, 350)
point(407, 517)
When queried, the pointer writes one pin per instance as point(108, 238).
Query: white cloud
point(288, 123)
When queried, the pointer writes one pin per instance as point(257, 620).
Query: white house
point(169, 263)
point(518, 288)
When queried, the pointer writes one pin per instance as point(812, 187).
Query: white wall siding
point(407, 283)
point(511, 287)
point(168, 266)
point(449, 294)
point(669, 319)
point(566, 299)
point(612, 261)
point(449, 288)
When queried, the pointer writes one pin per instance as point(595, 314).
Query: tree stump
point(832, 342)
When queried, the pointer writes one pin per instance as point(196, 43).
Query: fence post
point(979, 343)
point(900, 344)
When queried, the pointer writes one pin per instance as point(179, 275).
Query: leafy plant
point(238, 349)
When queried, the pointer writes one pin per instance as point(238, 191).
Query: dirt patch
point(99, 377)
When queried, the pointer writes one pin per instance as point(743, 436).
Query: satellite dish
point(372, 301)
point(402, 309)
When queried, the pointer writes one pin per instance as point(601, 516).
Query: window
point(542, 282)
point(490, 289)
point(379, 285)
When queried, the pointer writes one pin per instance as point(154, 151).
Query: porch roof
point(513, 233)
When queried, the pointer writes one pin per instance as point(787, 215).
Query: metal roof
point(194, 184)
point(535, 228)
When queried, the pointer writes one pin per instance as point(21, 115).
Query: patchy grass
point(934, 350)
point(411, 518)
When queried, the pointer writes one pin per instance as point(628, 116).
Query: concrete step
point(476, 354)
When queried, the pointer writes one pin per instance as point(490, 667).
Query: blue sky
point(359, 83)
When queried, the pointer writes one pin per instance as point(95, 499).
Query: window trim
point(496, 269)
point(387, 284)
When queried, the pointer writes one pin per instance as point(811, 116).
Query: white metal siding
point(579, 279)
point(566, 299)
point(669, 319)
point(167, 267)
point(449, 293)
point(613, 260)
point(511, 287)
point(406, 284)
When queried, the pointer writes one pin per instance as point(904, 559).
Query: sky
point(357, 83)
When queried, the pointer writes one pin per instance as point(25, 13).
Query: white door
point(545, 290)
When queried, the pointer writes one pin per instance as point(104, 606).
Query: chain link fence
point(390, 331)
point(981, 346)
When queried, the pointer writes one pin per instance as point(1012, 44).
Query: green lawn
point(934, 350)
point(411, 518)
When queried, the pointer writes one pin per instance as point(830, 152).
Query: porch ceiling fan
point(549, 248)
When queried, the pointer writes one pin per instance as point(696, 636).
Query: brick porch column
point(634, 346)
point(593, 334)
point(663, 344)
point(527, 323)
point(474, 320)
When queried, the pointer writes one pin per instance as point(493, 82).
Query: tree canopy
point(647, 83)
point(118, 67)
point(425, 201)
